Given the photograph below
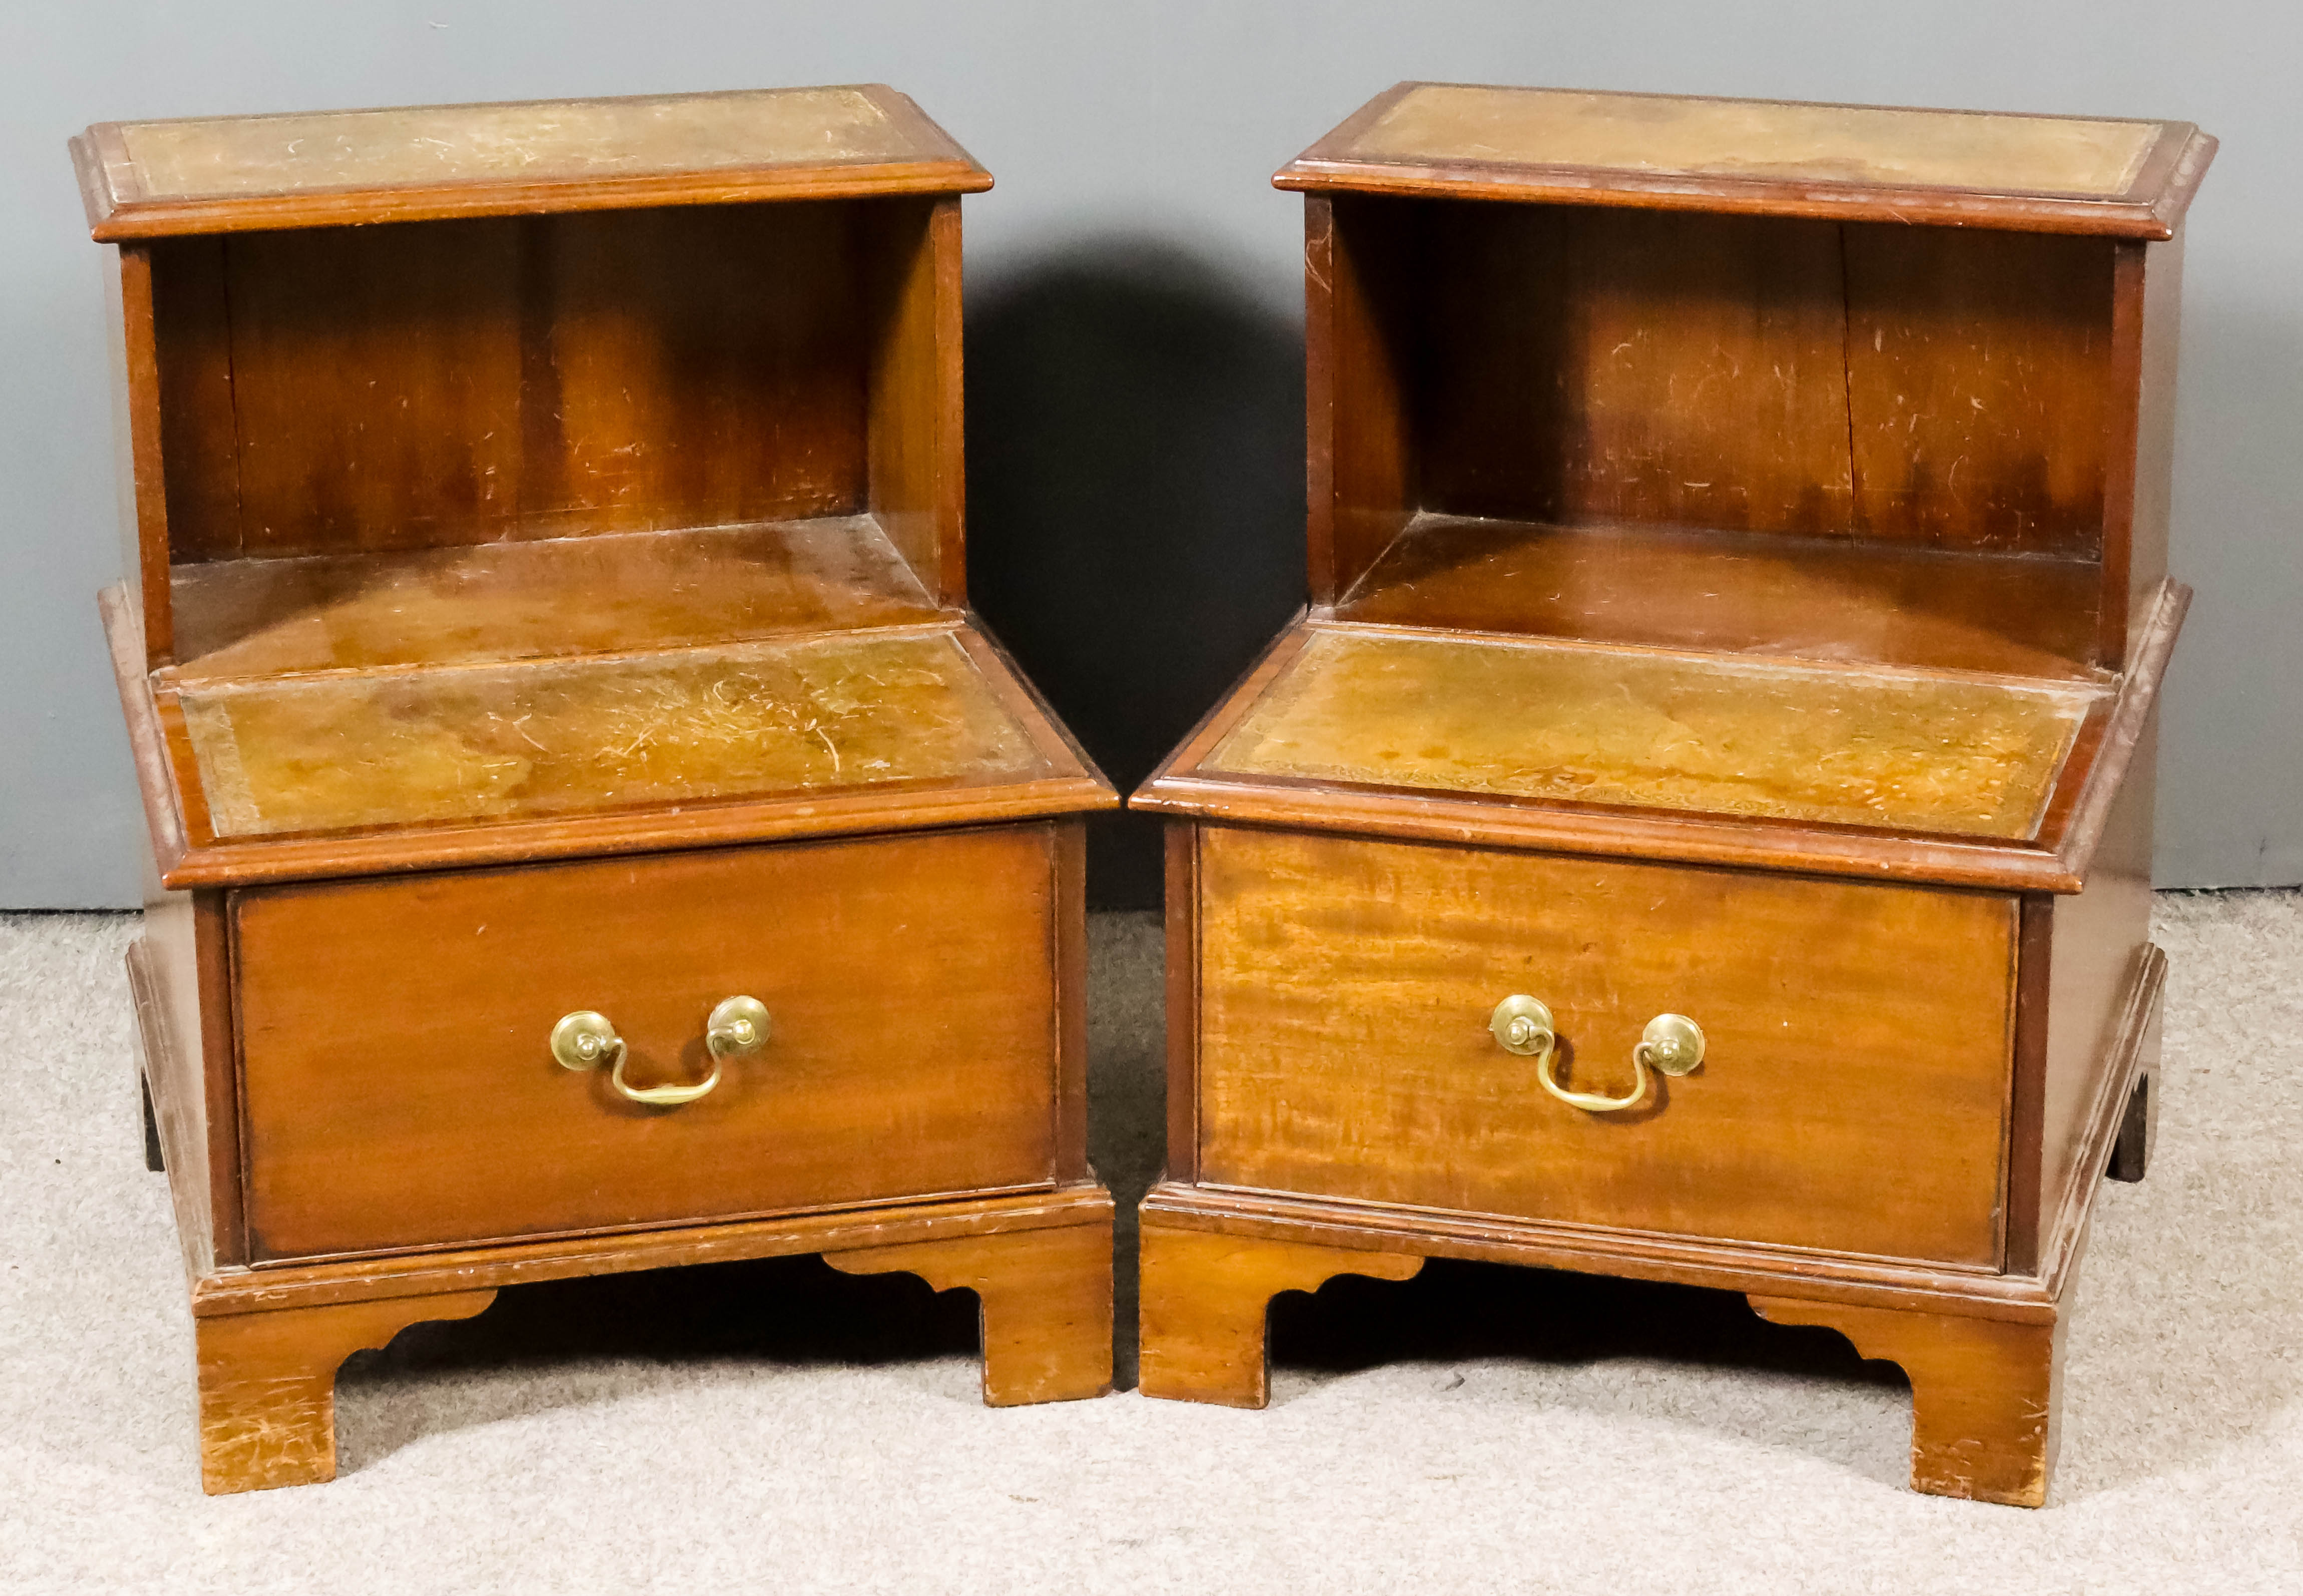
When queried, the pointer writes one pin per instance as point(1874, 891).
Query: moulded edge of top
point(344, 168)
point(2118, 178)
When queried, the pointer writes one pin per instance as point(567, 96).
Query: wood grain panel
point(181, 979)
point(470, 381)
point(399, 1092)
point(138, 472)
point(701, 367)
point(376, 383)
point(1852, 1098)
point(1979, 387)
point(914, 402)
point(1361, 317)
point(2146, 323)
point(191, 324)
point(2099, 937)
point(1594, 364)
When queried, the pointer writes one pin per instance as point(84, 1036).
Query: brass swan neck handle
point(738, 1027)
point(1671, 1045)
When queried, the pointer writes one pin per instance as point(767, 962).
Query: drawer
point(1853, 1093)
point(398, 1088)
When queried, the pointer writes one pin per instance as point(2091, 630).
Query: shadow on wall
point(1134, 504)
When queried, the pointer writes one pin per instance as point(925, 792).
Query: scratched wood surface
point(1345, 988)
point(267, 1385)
point(887, 1072)
point(1979, 387)
point(1599, 365)
point(1701, 733)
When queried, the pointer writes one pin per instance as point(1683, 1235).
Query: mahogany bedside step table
point(1699, 830)
point(591, 832)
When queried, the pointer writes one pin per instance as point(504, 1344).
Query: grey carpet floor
point(775, 1427)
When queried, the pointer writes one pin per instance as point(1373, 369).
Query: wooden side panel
point(2035, 945)
point(400, 1091)
point(1979, 387)
point(1842, 1105)
point(2099, 936)
point(1183, 926)
point(1067, 958)
point(138, 472)
point(913, 420)
point(1594, 364)
point(469, 381)
point(191, 318)
point(2140, 534)
point(1359, 337)
point(193, 1072)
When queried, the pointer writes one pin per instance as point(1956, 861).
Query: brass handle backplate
point(1671, 1045)
point(738, 1027)
point(1523, 1025)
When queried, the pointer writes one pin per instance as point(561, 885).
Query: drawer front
point(1852, 1096)
point(398, 1088)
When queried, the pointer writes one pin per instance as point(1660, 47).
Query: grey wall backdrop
point(1134, 350)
